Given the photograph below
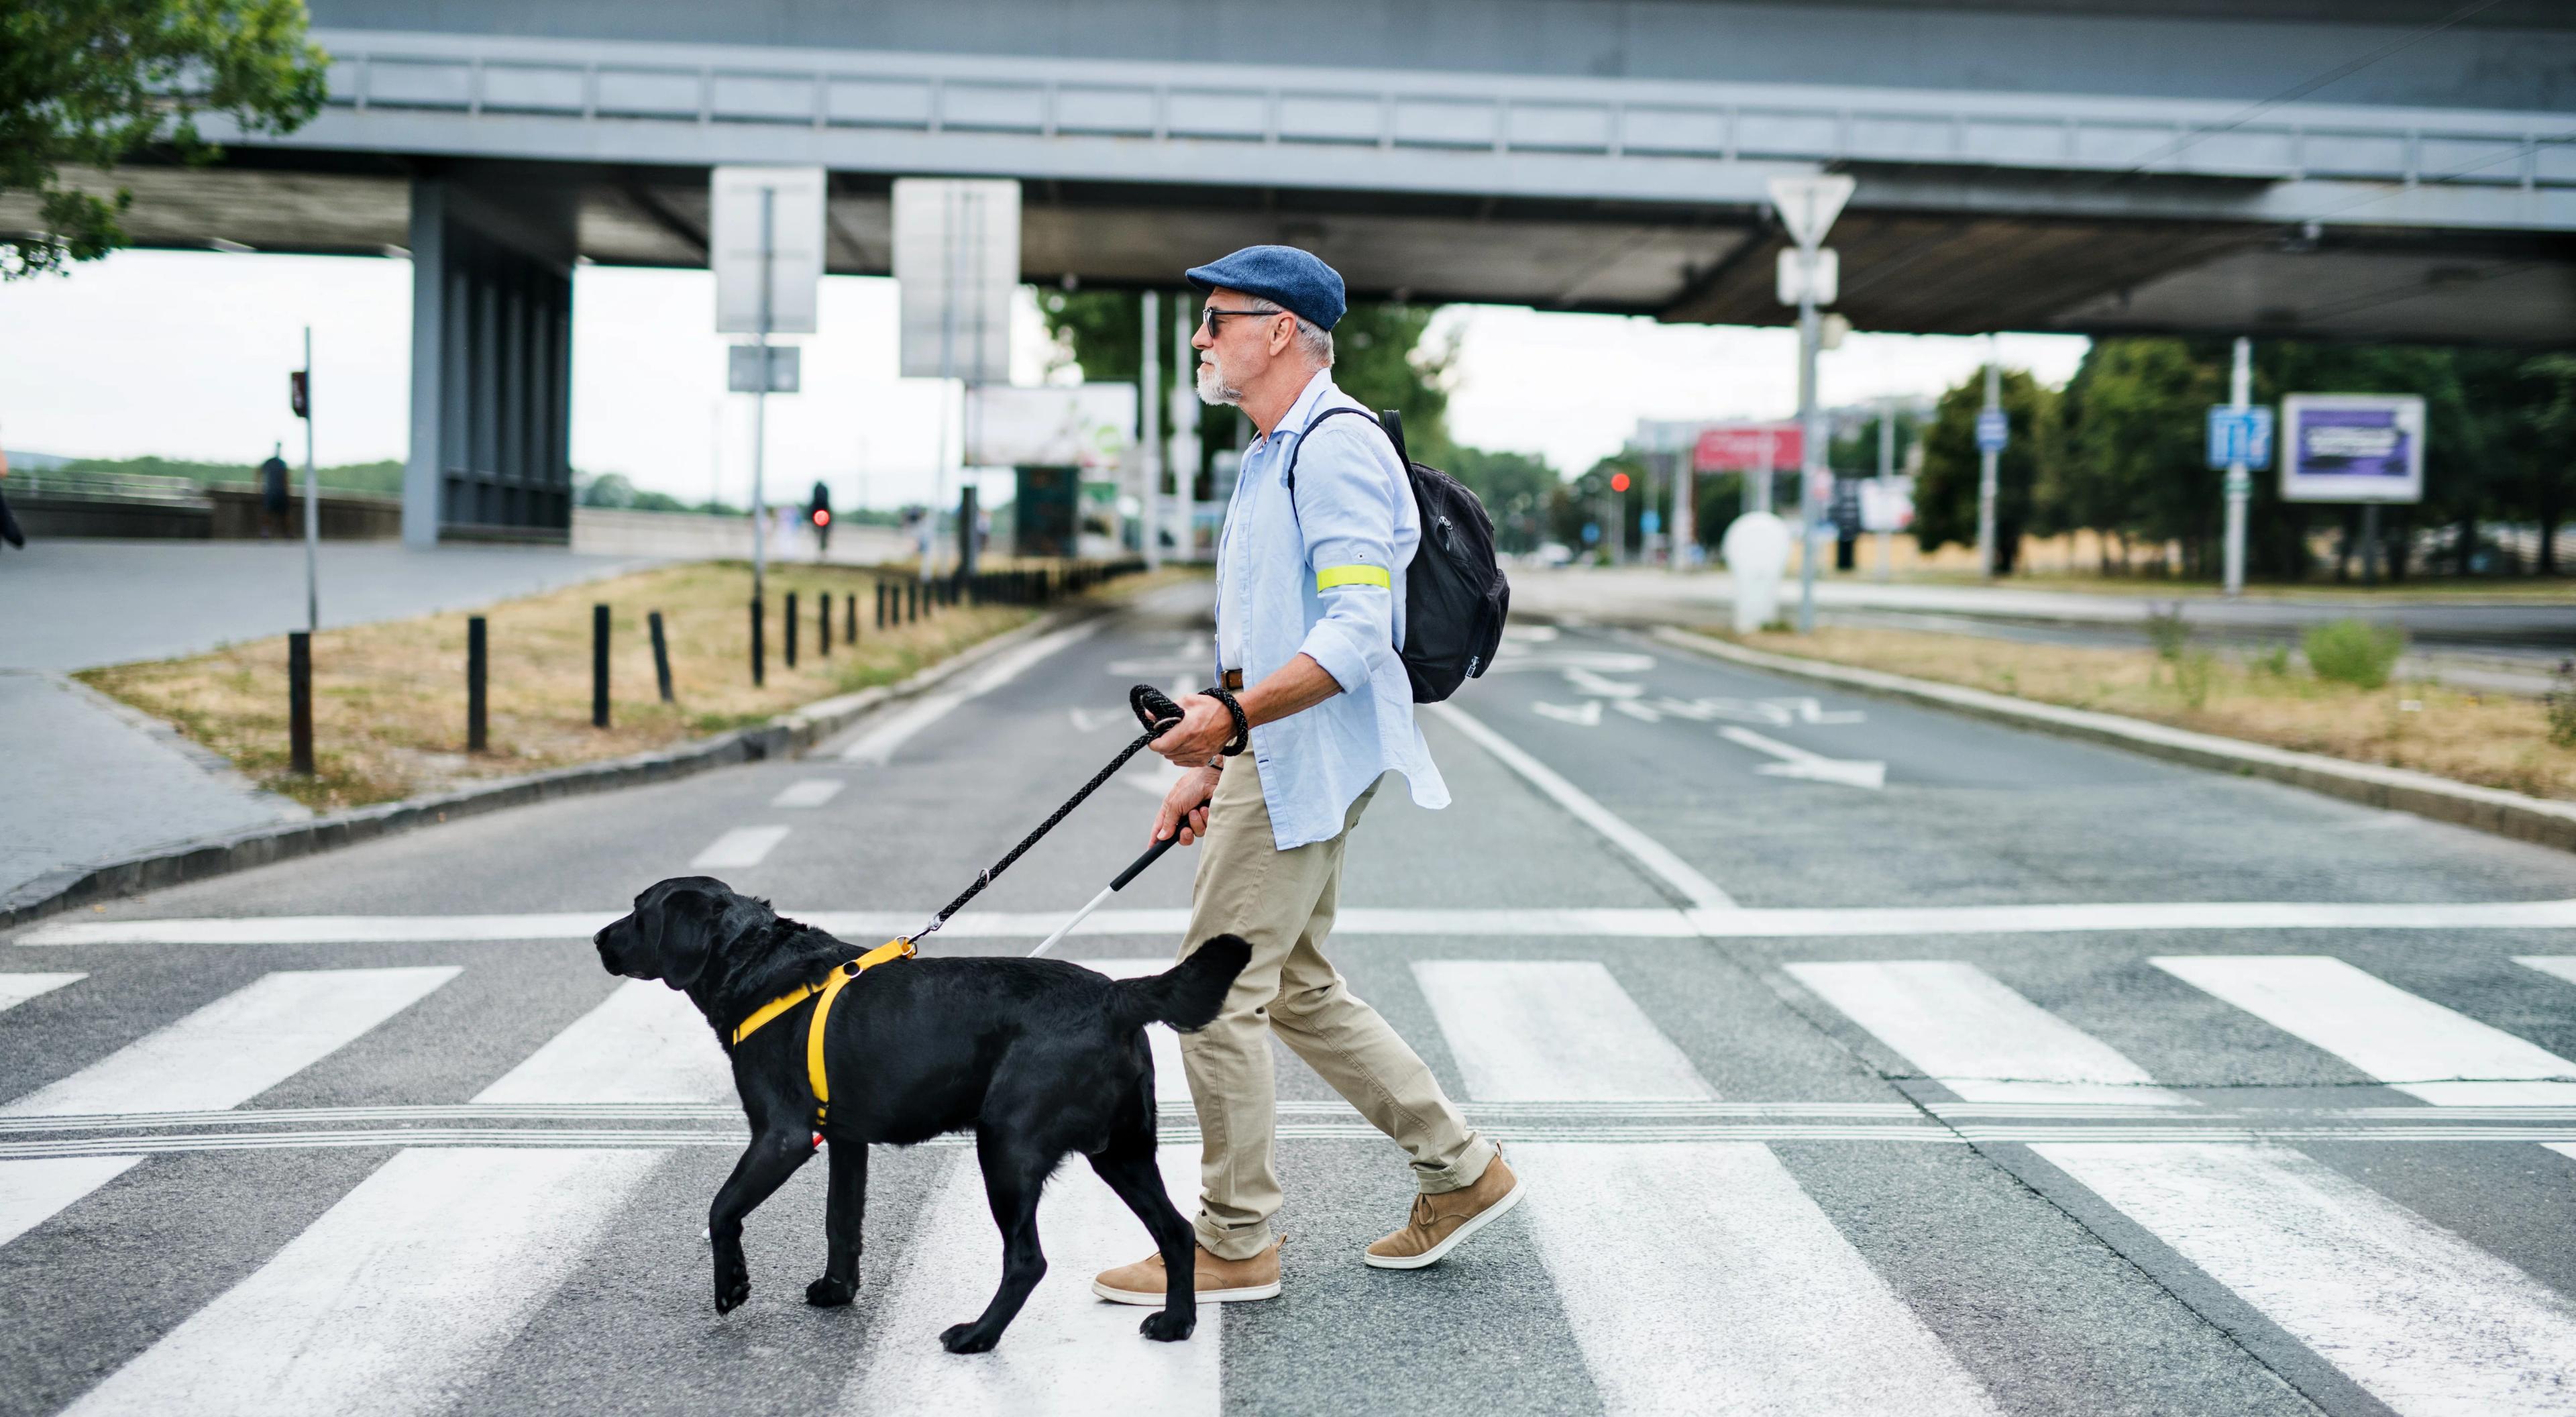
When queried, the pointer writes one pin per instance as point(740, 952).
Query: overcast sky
point(185, 355)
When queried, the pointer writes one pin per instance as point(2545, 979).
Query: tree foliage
point(1945, 494)
point(88, 83)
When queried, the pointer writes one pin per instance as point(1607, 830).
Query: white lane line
point(1977, 1037)
point(808, 792)
point(31, 1192)
point(1692, 1258)
point(16, 989)
point(2409, 1042)
point(410, 1285)
point(2425, 1321)
point(1699, 890)
point(738, 848)
point(1553, 1031)
point(1170, 1083)
point(1601, 922)
point(1798, 762)
point(879, 743)
point(1699, 1278)
point(392, 1301)
point(1067, 1352)
point(239, 1046)
point(2556, 966)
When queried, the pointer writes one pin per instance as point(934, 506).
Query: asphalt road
point(1857, 1059)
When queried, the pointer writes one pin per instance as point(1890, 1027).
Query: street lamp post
point(1989, 457)
point(2240, 481)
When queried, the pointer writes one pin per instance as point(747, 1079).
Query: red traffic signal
point(822, 516)
point(1618, 482)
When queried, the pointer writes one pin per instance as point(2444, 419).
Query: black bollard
point(881, 605)
point(299, 703)
point(789, 620)
point(661, 658)
point(599, 666)
point(759, 652)
point(823, 624)
point(850, 619)
point(476, 664)
point(911, 602)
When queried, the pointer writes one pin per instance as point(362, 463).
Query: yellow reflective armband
point(1332, 576)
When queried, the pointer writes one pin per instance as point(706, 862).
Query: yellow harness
point(828, 989)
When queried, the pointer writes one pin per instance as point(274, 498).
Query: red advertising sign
point(1739, 447)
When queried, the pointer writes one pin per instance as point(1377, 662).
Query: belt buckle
point(1232, 681)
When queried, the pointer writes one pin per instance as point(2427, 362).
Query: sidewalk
point(92, 781)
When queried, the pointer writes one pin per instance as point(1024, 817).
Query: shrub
point(2167, 632)
point(2192, 673)
point(2354, 652)
point(2560, 704)
point(2272, 663)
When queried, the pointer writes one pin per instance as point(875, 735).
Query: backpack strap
point(1391, 423)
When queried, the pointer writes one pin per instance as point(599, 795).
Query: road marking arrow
point(1635, 710)
point(1586, 714)
point(1587, 682)
point(1798, 762)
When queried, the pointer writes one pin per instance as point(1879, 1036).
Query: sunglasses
point(1209, 316)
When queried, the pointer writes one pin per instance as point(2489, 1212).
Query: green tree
point(2135, 463)
point(1945, 496)
point(87, 83)
point(1514, 488)
point(2549, 488)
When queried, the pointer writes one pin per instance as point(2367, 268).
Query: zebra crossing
point(1693, 1267)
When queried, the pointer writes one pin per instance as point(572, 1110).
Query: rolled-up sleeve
point(1347, 486)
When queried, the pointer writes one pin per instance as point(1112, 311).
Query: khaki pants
point(1283, 903)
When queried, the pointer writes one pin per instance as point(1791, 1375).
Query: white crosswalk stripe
point(2411, 1043)
point(808, 792)
point(406, 1287)
point(1068, 1352)
point(222, 1055)
point(2420, 1318)
point(2425, 1321)
point(16, 989)
point(1704, 1259)
point(1976, 1037)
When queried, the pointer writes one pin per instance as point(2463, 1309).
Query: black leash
point(1158, 713)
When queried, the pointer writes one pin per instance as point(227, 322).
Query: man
point(1310, 609)
point(272, 493)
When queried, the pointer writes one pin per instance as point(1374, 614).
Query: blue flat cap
point(1297, 280)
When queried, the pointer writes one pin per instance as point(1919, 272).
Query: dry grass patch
point(2488, 739)
point(389, 698)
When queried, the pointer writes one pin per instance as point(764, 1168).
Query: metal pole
point(1886, 488)
point(2240, 482)
point(312, 506)
point(1757, 488)
point(1149, 409)
point(1685, 514)
point(1811, 462)
point(760, 429)
point(1185, 428)
point(1988, 461)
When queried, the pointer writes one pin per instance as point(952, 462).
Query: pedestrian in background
point(272, 494)
point(9, 531)
point(1309, 612)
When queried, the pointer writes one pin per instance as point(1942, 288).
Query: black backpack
point(1455, 597)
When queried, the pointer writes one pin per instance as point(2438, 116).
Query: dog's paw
point(830, 1293)
point(733, 1286)
point(1163, 1326)
point(967, 1338)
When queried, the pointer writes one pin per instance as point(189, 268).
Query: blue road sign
point(2240, 435)
point(1993, 430)
point(1649, 523)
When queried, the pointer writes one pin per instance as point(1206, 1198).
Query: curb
point(788, 733)
point(2486, 809)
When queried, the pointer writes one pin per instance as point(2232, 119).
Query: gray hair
point(1313, 339)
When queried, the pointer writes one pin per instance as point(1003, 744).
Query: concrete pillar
point(491, 369)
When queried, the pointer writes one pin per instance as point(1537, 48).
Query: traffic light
point(1618, 482)
point(818, 512)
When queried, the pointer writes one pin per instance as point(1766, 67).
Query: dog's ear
point(677, 928)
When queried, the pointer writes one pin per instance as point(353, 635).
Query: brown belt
point(1232, 682)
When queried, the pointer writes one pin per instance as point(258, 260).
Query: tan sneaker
point(1440, 1222)
point(1217, 1281)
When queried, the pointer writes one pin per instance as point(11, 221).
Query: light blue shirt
point(1354, 517)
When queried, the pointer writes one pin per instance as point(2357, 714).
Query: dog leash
point(1160, 715)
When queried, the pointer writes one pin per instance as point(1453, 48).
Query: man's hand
point(1185, 806)
point(1205, 730)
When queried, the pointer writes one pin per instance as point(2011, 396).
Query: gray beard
point(1212, 390)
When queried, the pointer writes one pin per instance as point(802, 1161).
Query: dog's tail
point(1188, 994)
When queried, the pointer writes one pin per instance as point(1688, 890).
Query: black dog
point(1038, 1056)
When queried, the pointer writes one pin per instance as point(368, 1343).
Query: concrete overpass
point(2276, 167)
